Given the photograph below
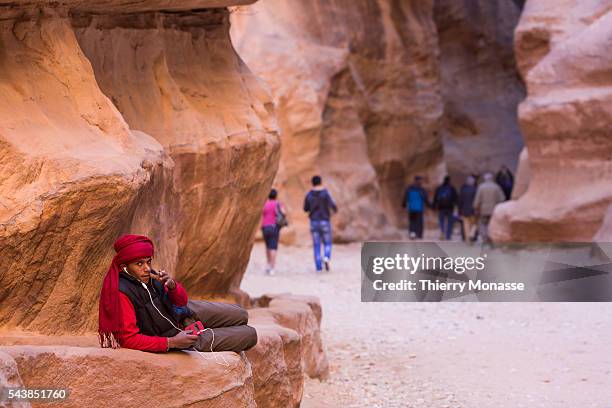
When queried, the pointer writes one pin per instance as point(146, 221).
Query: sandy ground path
point(444, 354)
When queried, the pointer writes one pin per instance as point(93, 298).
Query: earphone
point(225, 363)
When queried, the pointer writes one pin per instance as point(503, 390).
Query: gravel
point(444, 355)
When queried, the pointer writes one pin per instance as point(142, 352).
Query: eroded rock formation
point(145, 121)
point(72, 175)
point(272, 374)
point(563, 54)
point(289, 345)
point(99, 377)
point(188, 167)
point(480, 85)
point(357, 95)
point(176, 77)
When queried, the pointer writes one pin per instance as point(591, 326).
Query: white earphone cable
point(225, 363)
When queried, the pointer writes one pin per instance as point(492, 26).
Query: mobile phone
point(154, 272)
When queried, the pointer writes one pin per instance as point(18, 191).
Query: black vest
point(149, 321)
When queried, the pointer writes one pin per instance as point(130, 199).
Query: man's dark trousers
point(415, 222)
point(229, 324)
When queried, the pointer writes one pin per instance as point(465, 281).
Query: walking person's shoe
point(326, 263)
point(271, 272)
point(412, 235)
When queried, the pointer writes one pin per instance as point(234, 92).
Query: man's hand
point(182, 340)
point(165, 278)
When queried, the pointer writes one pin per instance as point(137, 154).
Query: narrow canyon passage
point(443, 354)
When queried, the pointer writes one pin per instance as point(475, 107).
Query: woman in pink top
point(270, 229)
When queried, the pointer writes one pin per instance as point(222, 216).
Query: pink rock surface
point(102, 377)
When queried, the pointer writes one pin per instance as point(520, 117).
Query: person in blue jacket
point(415, 200)
point(319, 204)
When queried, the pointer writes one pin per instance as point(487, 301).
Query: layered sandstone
point(127, 378)
point(125, 6)
point(188, 159)
point(139, 118)
point(73, 174)
point(288, 347)
point(356, 88)
point(480, 85)
point(176, 77)
point(563, 54)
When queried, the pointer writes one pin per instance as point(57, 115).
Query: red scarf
point(128, 249)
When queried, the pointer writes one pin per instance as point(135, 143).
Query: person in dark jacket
point(505, 180)
point(445, 200)
point(415, 200)
point(149, 310)
point(319, 204)
point(466, 208)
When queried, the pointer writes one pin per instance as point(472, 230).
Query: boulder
point(127, 378)
point(302, 314)
point(562, 52)
point(278, 373)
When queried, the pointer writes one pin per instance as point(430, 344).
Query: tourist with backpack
point(445, 200)
point(319, 204)
point(414, 201)
point(273, 219)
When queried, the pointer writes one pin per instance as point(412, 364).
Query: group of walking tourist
point(471, 207)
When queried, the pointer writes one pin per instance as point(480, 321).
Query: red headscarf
point(128, 249)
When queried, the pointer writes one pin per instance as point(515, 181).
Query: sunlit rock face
point(356, 85)
point(177, 142)
point(563, 54)
point(176, 77)
point(480, 85)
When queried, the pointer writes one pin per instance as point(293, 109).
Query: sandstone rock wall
point(356, 88)
point(176, 77)
point(480, 85)
point(75, 172)
point(563, 53)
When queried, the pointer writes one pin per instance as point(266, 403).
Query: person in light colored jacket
point(488, 195)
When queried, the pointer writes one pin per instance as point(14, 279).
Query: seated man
point(141, 313)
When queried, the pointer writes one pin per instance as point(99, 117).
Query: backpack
point(444, 198)
point(415, 200)
point(281, 218)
